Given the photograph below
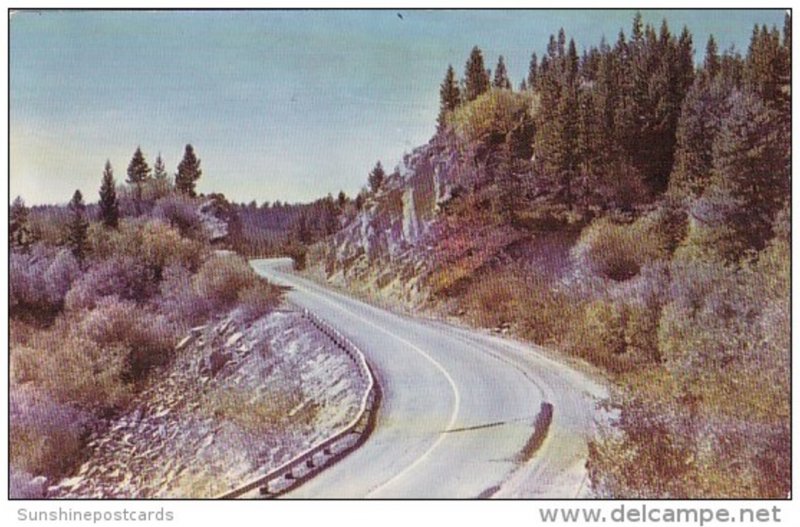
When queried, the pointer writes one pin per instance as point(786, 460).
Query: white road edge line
point(423, 353)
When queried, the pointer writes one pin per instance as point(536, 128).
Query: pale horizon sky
point(288, 105)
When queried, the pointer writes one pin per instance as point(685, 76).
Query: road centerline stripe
point(456, 395)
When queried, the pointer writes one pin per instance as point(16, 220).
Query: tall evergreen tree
point(329, 216)
point(188, 172)
point(701, 117)
point(376, 177)
point(636, 28)
point(731, 69)
point(557, 125)
point(109, 208)
point(476, 76)
point(533, 72)
point(159, 169)
point(787, 32)
point(751, 177)
point(341, 200)
point(449, 96)
point(78, 228)
point(138, 174)
point(501, 75)
point(19, 231)
point(711, 62)
point(562, 42)
point(767, 69)
point(302, 229)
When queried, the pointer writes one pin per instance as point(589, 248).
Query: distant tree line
point(621, 124)
point(144, 187)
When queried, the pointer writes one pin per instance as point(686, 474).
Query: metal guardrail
point(311, 461)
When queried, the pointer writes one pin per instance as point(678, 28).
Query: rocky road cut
point(458, 408)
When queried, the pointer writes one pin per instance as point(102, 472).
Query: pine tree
point(477, 79)
point(562, 42)
point(78, 228)
point(19, 232)
point(376, 177)
point(533, 72)
point(188, 172)
point(506, 201)
point(731, 69)
point(787, 32)
point(698, 126)
point(711, 62)
point(449, 96)
point(523, 86)
point(557, 125)
point(341, 200)
point(159, 169)
point(501, 80)
point(767, 69)
point(751, 177)
point(302, 230)
point(636, 28)
point(330, 216)
point(109, 208)
point(138, 174)
point(590, 149)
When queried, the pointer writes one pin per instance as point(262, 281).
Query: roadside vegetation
point(101, 293)
point(630, 207)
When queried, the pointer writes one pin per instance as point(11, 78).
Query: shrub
point(44, 435)
point(221, 278)
point(154, 244)
point(72, 370)
point(615, 251)
point(177, 300)
point(257, 300)
point(492, 114)
point(598, 335)
point(528, 301)
point(40, 280)
point(161, 246)
point(180, 212)
point(299, 255)
point(490, 299)
point(649, 454)
point(664, 228)
point(148, 339)
point(48, 224)
point(123, 276)
point(641, 331)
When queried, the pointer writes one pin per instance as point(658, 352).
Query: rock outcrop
point(399, 240)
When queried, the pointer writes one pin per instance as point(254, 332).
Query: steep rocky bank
point(405, 244)
point(237, 401)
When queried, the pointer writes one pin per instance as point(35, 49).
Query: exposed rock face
point(390, 246)
point(237, 402)
point(214, 223)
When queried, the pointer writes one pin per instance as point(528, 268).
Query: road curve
point(458, 408)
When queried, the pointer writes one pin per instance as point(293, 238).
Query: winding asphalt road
point(458, 408)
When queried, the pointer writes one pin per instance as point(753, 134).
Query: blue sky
point(287, 105)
